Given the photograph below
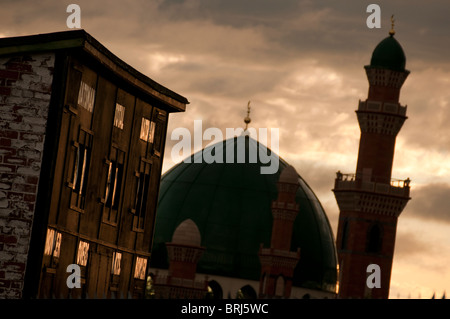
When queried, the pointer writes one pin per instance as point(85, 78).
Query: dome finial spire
point(247, 119)
point(392, 31)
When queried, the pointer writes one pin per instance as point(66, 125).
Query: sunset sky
point(301, 63)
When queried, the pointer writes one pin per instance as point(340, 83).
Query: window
point(160, 125)
point(81, 162)
point(141, 193)
point(344, 238)
point(57, 247)
point(141, 266)
point(52, 243)
point(86, 96)
point(113, 188)
point(114, 180)
point(119, 115)
point(80, 170)
point(83, 253)
point(117, 258)
point(246, 292)
point(279, 288)
point(264, 283)
point(217, 292)
point(374, 239)
point(147, 130)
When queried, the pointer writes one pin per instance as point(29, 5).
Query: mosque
point(226, 208)
point(224, 230)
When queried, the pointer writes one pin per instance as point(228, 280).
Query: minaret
point(369, 201)
point(184, 252)
point(278, 262)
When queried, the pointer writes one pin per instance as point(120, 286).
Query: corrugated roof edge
point(77, 39)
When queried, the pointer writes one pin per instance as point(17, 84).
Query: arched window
point(217, 292)
point(344, 237)
point(279, 287)
point(374, 239)
point(246, 292)
point(264, 283)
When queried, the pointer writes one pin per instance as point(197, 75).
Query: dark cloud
point(320, 178)
point(430, 202)
point(231, 13)
point(408, 244)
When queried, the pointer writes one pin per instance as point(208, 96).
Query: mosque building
point(241, 234)
point(234, 209)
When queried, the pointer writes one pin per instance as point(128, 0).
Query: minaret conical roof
point(388, 54)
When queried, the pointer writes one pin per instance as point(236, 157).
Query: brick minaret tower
point(370, 202)
point(278, 262)
point(184, 252)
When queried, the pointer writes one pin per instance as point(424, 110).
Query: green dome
point(231, 205)
point(388, 55)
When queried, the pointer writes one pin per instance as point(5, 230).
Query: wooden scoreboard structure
point(82, 141)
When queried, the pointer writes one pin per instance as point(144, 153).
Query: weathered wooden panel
point(121, 136)
point(137, 149)
point(101, 126)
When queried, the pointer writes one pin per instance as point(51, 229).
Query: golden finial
point(392, 31)
point(247, 119)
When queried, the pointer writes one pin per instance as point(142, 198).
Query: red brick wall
point(25, 88)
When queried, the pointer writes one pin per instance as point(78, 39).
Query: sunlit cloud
point(158, 60)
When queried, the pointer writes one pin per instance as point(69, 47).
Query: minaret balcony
point(383, 107)
point(381, 117)
point(279, 258)
point(356, 194)
point(179, 282)
point(396, 187)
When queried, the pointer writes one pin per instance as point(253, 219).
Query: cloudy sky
point(301, 65)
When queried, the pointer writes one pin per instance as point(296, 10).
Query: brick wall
point(25, 88)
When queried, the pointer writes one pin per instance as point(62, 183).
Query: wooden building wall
point(105, 189)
